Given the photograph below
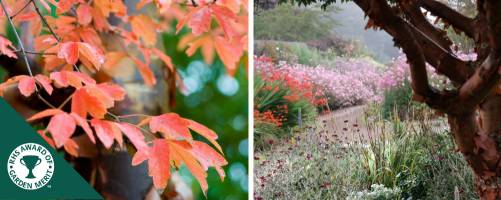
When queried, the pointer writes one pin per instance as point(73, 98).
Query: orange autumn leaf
point(90, 35)
point(27, 86)
point(84, 16)
point(69, 52)
point(180, 153)
point(85, 126)
point(72, 51)
point(205, 132)
point(44, 113)
point(233, 5)
point(78, 42)
point(134, 135)
point(45, 82)
point(71, 78)
point(145, 28)
point(104, 131)
point(71, 147)
point(91, 54)
point(159, 163)
point(229, 52)
point(208, 157)
point(61, 127)
point(145, 71)
point(198, 19)
point(112, 59)
point(171, 125)
point(6, 47)
point(113, 91)
point(204, 42)
point(84, 102)
point(226, 20)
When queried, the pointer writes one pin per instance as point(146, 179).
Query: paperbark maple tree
point(69, 48)
point(473, 107)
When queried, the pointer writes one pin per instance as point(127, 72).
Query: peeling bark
point(474, 109)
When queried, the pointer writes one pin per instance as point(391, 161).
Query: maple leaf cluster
point(68, 39)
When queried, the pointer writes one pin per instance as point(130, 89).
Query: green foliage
point(294, 52)
point(398, 101)
point(289, 23)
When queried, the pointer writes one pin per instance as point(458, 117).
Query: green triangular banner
point(27, 171)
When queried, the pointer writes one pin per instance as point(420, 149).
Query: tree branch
point(444, 61)
point(487, 76)
point(383, 16)
point(413, 12)
point(456, 19)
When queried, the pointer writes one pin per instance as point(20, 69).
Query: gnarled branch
point(456, 19)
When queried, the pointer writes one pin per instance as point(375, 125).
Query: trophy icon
point(30, 162)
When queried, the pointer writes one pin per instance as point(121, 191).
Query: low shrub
point(277, 110)
point(397, 101)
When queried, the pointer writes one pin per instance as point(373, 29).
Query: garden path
point(346, 125)
point(279, 164)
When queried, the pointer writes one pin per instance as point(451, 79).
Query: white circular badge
point(30, 166)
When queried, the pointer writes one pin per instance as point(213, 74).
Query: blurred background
point(219, 101)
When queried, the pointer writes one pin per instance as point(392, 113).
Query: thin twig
point(65, 101)
point(21, 10)
point(36, 53)
point(114, 116)
point(133, 115)
point(23, 51)
point(44, 100)
point(45, 22)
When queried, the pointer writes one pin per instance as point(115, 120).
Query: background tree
point(291, 23)
point(473, 106)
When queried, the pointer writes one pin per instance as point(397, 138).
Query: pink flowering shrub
point(351, 81)
point(398, 72)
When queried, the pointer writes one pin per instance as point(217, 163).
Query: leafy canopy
point(72, 53)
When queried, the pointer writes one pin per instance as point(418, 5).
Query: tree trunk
point(478, 137)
